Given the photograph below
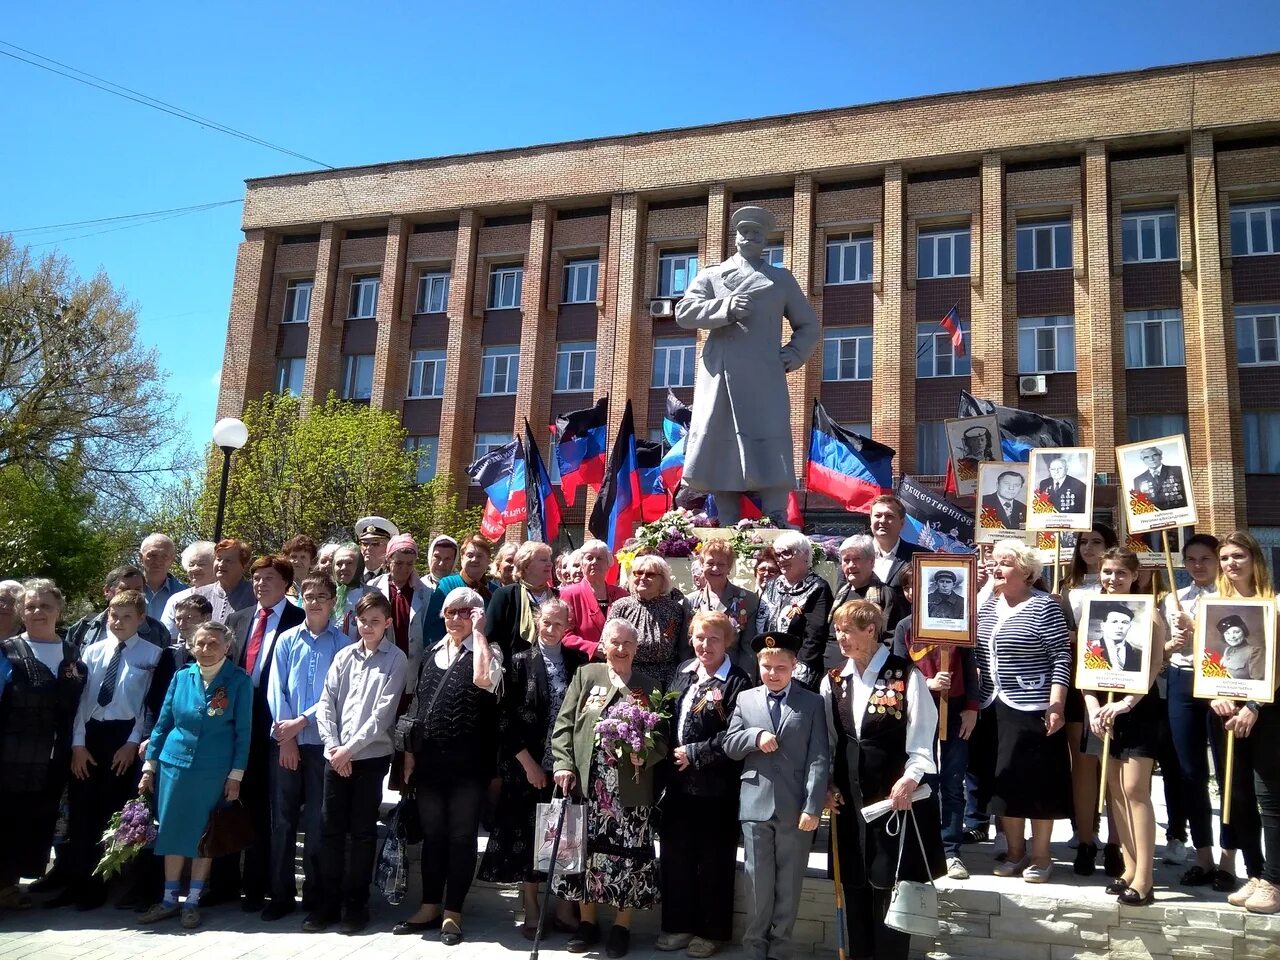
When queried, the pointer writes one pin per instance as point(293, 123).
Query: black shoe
point(277, 909)
point(1118, 887)
point(51, 881)
point(251, 902)
point(406, 927)
point(1132, 898)
point(1197, 876)
point(451, 935)
point(1225, 882)
point(1112, 861)
point(976, 835)
point(588, 936)
point(1086, 859)
point(619, 942)
point(317, 921)
point(354, 922)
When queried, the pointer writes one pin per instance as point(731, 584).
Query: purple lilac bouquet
point(628, 728)
point(128, 833)
point(671, 535)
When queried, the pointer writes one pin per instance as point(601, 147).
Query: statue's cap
point(761, 217)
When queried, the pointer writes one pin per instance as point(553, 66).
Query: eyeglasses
point(784, 554)
point(315, 597)
point(459, 612)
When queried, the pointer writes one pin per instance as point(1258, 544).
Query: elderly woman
point(590, 598)
point(699, 824)
point(450, 756)
point(37, 708)
point(302, 553)
point(504, 564)
point(10, 616)
point(1024, 661)
point(324, 558)
point(196, 758)
point(858, 567)
point(535, 689)
point(513, 610)
point(658, 613)
point(881, 719)
point(620, 869)
point(719, 594)
point(348, 575)
point(799, 604)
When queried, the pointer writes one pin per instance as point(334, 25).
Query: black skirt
point(1033, 772)
point(1140, 733)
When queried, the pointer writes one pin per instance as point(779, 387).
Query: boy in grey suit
point(780, 730)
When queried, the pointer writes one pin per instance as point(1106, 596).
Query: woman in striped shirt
point(1024, 659)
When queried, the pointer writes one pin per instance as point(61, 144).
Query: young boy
point(303, 656)
point(355, 715)
point(780, 730)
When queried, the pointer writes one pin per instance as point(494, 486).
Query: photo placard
point(971, 442)
point(1062, 493)
point(1157, 484)
point(1113, 652)
point(1000, 509)
point(1235, 649)
point(946, 591)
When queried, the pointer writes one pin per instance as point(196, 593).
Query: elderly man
point(740, 435)
point(157, 554)
point(1009, 501)
point(1068, 494)
point(893, 554)
point(89, 630)
point(373, 534)
point(197, 563)
point(1164, 485)
point(230, 591)
point(857, 566)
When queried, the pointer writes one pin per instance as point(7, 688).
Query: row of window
point(1147, 236)
point(1153, 338)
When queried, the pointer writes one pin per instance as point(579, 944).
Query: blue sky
point(350, 84)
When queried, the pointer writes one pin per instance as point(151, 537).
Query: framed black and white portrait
point(945, 590)
point(1114, 651)
point(972, 441)
point(1235, 649)
point(1062, 493)
point(1000, 510)
point(1157, 483)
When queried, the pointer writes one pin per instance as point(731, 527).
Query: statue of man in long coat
point(740, 435)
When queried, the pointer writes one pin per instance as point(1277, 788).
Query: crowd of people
point(471, 678)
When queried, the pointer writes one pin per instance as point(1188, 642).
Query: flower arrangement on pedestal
point(744, 541)
point(671, 535)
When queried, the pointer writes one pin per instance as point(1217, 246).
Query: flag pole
point(920, 350)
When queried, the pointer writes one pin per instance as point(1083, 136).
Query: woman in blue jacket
point(196, 758)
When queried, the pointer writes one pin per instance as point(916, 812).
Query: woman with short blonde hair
point(659, 616)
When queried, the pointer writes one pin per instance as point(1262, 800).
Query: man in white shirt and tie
point(893, 554)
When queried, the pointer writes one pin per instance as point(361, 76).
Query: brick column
point(324, 331)
point(986, 338)
point(390, 358)
point(803, 384)
point(717, 249)
point(1095, 347)
point(1216, 450)
point(248, 367)
point(617, 363)
point(893, 367)
point(537, 341)
point(462, 360)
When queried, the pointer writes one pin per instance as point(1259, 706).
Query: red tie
point(255, 641)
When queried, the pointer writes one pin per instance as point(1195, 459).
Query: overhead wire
point(194, 208)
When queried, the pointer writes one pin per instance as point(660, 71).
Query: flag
point(613, 518)
point(580, 448)
point(751, 508)
point(849, 468)
point(934, 522)
point(655, 495)
point(501, 473)
point(1020, 430)
point(950, 322)
point(675, 430)
point(543, 508)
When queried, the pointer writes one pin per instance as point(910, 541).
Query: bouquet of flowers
point(627, 729)
point(824, 549)
point(744, 541)
point(128, 833)
point(671, 535)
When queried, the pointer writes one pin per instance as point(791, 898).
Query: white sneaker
point(956, 869)
point(1002, 847)
point(1175, 853)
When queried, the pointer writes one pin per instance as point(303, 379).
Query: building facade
point(1112, 244)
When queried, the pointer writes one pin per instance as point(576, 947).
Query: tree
point(74, 378)
point(318, 473)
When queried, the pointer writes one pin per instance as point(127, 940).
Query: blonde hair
point(719, 620)
point(652, 563)
point(526, 552)
point(858, 615)
point(719, 548)
point(1024, 557)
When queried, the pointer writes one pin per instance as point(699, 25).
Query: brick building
point(1113, 243)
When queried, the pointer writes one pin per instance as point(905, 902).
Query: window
point(426, 374)
point(504, 287)
point(499, 369)
point(1151, 426)
point(1046, 345)
point(1149, 235)
point(580, 277)
point(1255, 228)
point(936, 355)
point(943, 253)
point(364, 298)
point(289, 371)
point(673, 361)
point(1044, 246)
point(575, 366)
point(487, 443)
point(1261, 441)
point(1153, 338)
point(425, 447)
point(773, 255)
point(1256, 334)
point(848, 259)
point(297, 301)
point(846, 353)
point(931, 447)
point(357, 377)
point(676, 268)
point(433, 293)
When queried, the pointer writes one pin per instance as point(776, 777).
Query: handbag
point(913, 906)
point(571, 855)
point(408, 733)
point(229, 830)
point(391, 874)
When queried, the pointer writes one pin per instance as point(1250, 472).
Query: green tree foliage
point(318, 473)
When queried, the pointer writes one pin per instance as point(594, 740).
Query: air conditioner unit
point(662, 309)
point(1036, 386)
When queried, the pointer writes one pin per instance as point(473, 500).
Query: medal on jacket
point(218, 702)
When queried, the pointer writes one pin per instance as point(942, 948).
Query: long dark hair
point(1078, 569)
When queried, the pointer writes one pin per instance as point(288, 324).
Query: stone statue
point(740, 435)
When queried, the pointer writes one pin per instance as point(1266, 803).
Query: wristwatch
point(1253, 705)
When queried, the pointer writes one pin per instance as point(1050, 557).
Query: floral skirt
point(621, 869)
point(508, 856)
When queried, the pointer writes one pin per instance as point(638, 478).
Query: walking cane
point(551, 870)
point(841, 932)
